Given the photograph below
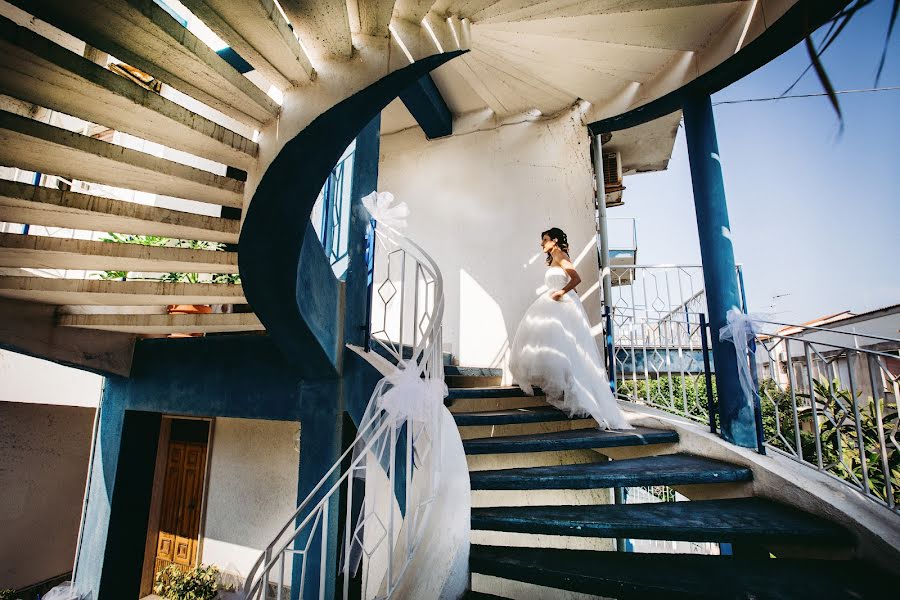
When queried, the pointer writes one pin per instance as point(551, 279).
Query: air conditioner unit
point(612, 179)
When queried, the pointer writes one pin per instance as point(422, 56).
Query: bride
point(554, 349)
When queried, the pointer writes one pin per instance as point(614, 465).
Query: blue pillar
point(736, 416)
point(365, 181)
point(321, 426)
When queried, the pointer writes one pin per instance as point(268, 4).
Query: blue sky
point(814, 214)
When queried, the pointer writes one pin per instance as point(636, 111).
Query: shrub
point(199, 583)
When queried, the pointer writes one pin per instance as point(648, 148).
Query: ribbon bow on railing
point(740, 330)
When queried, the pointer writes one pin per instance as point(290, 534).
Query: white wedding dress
point(555, 351)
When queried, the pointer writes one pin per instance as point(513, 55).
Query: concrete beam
point(36, 146)
point(164, 324)
point(259, 34)
point(24, 203)
point(322, 25)
point(424, 102)
point(144, 35)
point(40, 72)
point(39, 252)
point(412, 10)
point(30, 328)
point(373, 16)
point(49, 290)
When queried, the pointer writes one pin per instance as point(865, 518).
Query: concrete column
point(736, 416)
point(365, 181)
point(111, 549)
point(321, 428)
point(605, 271)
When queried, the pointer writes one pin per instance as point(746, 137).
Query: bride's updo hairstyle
point(555, 233)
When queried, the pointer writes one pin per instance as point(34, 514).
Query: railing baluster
point(813, 406)
point(798, 445)
point(878, 390)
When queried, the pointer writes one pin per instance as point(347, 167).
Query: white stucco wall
point(35, 381)
point(252, 490)
point(44, 454)
point(478, 203)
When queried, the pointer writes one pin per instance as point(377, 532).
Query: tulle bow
point(383, 209)
point(410, 396)
point(741, 328)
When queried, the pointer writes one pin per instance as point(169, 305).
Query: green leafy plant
point(176, 583)
point(843, 450)
point(7, 594)
point(159, 241)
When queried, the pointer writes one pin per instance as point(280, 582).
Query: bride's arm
point(574, 278)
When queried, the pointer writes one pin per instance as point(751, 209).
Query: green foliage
point(842, 449)
point(7, 594)
point(155, 240)
point(199, 583)
point(683, 395)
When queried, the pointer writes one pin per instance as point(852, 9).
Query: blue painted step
point(512, 416)
point(627, 575)
point(670, 469)
point(490, 392)
point(457, 371)
point(578, 439)
point(754, 520)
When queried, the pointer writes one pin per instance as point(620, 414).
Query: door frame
point(156, 497)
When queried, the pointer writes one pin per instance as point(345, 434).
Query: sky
point(815, 213)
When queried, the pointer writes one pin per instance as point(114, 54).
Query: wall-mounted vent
point(612, 178)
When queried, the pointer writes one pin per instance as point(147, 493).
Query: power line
point(819, 94)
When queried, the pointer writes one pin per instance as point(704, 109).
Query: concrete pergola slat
point(25, 203)
point(36, 146)
point(40, 72)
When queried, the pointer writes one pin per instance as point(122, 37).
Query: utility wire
point(878, 89)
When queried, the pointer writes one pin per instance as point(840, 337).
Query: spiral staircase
point(201, 126)
point(80, 76)
point(545, 520)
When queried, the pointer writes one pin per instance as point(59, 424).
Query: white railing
point(394, 462)
point(660, 340)
point(829, 399)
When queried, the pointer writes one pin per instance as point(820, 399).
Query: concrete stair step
point(25, 203)
point(627, 575)
point(670, 469)
point(260, 35)
point(753, 520)
point(470, 595)
point(48, 290)
point(143, 324)
point(144, 35)
point(511, 416)
point(458, 371)
point(489, 392)
point(579, 439)
point(36, 146)
point(43, 73)
point(32, 251)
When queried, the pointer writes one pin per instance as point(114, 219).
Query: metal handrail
point(832, 407)
point(427, 360)
point(822, 329)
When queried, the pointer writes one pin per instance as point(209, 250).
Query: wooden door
point(179, 523)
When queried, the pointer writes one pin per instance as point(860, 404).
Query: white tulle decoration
point(383, 209)
point(741, 328)
point(410, 396)
point(64, 591)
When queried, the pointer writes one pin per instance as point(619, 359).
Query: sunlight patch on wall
point(483, 340)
